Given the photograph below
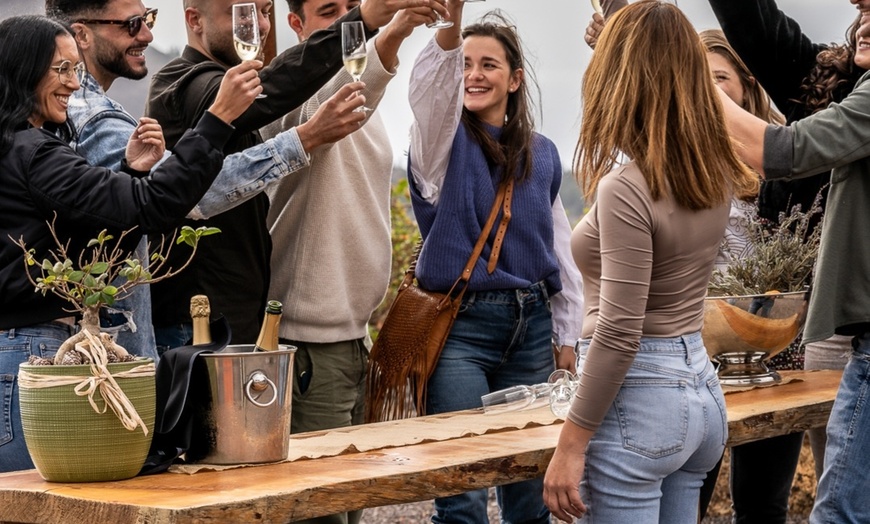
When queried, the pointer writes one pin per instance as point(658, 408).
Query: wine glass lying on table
point(558, 391)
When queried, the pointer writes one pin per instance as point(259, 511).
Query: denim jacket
point(103, 128)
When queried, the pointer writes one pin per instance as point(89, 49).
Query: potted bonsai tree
point(88, 414)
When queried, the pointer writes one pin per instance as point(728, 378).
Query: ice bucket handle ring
point(259, 382)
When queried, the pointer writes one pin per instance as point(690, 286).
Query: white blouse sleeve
point(568, 305)
point(436, 100)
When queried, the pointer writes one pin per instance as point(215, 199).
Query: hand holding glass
point(596, 5)
point(246, 32)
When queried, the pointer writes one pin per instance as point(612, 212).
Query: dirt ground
point(802, 496)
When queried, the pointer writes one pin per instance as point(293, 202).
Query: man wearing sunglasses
point(112, 36)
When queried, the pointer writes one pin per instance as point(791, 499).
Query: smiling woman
point(473, 137)
point(43, 180)
point(53, 91)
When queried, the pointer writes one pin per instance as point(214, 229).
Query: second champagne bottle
point(268, 339)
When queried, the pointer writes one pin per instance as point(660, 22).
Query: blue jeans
point(172, 336)
point(16, 345)
point(500, 339)
point(664, 431)
point(120, 319)
point(844, 490)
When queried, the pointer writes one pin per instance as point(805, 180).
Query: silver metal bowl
point(742, 332)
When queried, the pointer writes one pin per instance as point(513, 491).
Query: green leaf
point(110, 290)
point(76, 276)
point(46, 265)
point(90, 282)
point(107, 299)
point(93, 242)
point(206, 231)
point(93, 299)
point(99, 268)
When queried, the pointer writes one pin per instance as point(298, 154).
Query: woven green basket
point(70, 442)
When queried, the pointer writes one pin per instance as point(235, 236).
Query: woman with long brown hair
point(648, 420)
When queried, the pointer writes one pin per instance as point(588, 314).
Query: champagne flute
point(246, 32)
point(564, 383)
point(440, 22)
point(353, 51)
point(596, 4)
point(515, 398)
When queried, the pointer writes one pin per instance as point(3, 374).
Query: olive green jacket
point(837, 138)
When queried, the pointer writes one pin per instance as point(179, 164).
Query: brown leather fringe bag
point(409, 343)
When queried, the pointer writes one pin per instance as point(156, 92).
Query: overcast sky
point(552, 31)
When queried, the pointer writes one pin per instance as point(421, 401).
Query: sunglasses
point(66, 70)
point(133, 24)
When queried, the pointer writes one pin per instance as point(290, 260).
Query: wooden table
point(308, 488)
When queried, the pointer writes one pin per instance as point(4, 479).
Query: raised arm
point(772, 45)
point(436, 100)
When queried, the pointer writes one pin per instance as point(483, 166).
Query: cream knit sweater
point(330, 223)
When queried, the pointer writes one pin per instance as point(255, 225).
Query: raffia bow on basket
point(409, 343)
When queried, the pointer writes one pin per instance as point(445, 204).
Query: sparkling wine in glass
point(246, 32)
point(353, 51)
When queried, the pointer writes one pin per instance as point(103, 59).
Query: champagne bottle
point(200, 311)
point(268, 339)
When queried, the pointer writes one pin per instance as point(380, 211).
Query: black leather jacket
point(42, 177)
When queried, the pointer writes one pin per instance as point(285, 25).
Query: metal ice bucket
point(742, 332)
point(246, 417)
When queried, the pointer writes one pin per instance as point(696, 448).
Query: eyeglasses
point(66, 70)
point(133, 24)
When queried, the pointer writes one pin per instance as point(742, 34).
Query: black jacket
point(780, 56)
point(41, 176)
point(232, 269)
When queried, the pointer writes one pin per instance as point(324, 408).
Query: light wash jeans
point(665, 430)
point(500, 339)
point(843, 494)
point(16, 345)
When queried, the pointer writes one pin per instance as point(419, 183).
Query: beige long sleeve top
point(646, 265)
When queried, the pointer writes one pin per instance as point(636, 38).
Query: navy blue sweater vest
point(452, 226)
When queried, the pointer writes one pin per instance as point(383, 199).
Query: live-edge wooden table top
point(307, 488)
